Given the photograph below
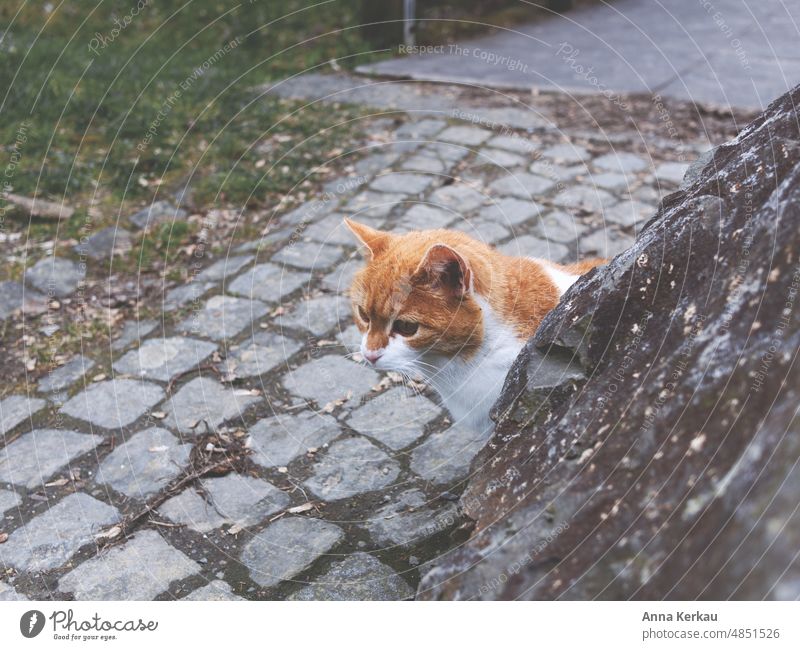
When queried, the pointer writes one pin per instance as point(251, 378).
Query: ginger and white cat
point(455, 311)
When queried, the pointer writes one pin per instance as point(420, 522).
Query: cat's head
point(415, 298)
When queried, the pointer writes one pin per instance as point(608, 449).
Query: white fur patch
point(561, 279)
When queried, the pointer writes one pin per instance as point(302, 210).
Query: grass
point(107, 117)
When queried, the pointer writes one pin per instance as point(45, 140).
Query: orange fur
point(431, 277)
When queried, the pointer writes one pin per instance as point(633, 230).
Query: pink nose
point(372, 355)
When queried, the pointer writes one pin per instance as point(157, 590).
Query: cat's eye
point(363, 314)
point(405, 327)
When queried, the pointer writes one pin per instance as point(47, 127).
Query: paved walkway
point(319, 477)
point(740, 53)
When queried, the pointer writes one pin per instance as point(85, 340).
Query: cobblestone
point(351, 466)
point(317, 315)
point(203, 404)
point(287, 547)
point(260, 354)
point(279, 440)
point(267, 282)
point(409, 520)
point(33, 458)
point(394, 418)
point(105, 243)
point(66, 375)
point(358, 577)
point(162, 359)
point(8, 500)
point(9, 594)
point(217, 590)
point(330, 378)
point(223, 317)
point(139, 570)
point(114, 403)
point(53, 537)
point(17, 408)
point(445, 457)
point(55, 276)
point(144, 464)
point(230, 499)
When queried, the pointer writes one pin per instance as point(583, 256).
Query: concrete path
point(740, 53)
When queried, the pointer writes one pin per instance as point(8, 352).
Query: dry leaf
point(3, 537)
point(159, 415)
point(57, 483)
point(298, 509)
point(158, 449)
point(111, 533)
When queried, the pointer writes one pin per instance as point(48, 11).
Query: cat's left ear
point(444, 268)
point(375, 240)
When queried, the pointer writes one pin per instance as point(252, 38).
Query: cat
point(453, 310)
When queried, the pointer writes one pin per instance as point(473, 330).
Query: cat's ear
point(443, 268)
point(374, 240)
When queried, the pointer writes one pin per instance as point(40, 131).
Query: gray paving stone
point(375, 162)
point(66, 375)
point(422, 162)
point(483, 230)
point(558, 226)
point(278, 440)
point(287, 547)
point(506, 117)
point(309, 212)
point(344, 186)
point(621, 162)
point(445, 457)
point(450, 153)
point(203, 403)
point(163, 358)
point(105, 243)
point(317, 315)
point(457, 197)
point(139, 570)
point(341, 278)
point(14, 296)
point(216, 590)
point(402, 183)
point(516, 143)
point(671, 172)
point(55, 276)
point(629, 213)
point(258, 355)
point(567, 153)
point(223, 317)
point(530, 246)
point(373, 205)
point(54, 536)
point(114, 403)
point(331, 378)
point(555, 172)
point(510, 211)
point(420, 130)
point(605, 242)
point(144, 464)
point(156, 213)
point(500, 158)
point(132, 332)
point(8, 500)
point(610, 181)
point(352, 466)
point(33, 458)
point(17, 408)
point(268, 282)
point(468, 136)
point(350, 338)
point(186, 293)
point(308, 255)
point(9, 594)
point(395, 418)
point(224, 268)
point(230, 499)
point(426, 217)
point(410, 520)
point(584, 197)
point(358, 577)
point(330, 230)
point(522, 185)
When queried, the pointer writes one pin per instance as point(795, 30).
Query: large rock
point(668, 467)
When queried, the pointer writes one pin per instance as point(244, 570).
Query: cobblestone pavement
point(350, 486)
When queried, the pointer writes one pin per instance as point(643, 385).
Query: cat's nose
point(372, 355)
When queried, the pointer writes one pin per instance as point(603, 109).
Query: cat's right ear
point(375, 241)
